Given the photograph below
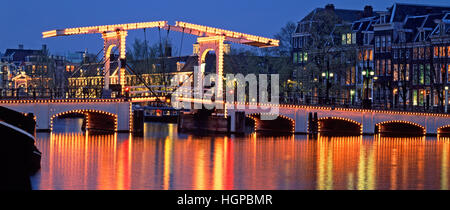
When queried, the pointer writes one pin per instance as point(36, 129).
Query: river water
point(166, 159)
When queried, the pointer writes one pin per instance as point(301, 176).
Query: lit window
point(395, 76)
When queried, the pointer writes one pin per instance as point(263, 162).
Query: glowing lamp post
point(446, 99)
point(367, 75)
point(327, 75)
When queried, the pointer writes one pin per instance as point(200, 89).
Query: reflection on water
point(164, 159)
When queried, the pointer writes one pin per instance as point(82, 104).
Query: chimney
point(20, 46)
point(368, 11)
point(329, 7)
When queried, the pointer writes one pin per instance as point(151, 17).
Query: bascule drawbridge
point(114, 37)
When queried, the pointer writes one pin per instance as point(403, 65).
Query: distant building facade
point(32, 70)
point(402, 55)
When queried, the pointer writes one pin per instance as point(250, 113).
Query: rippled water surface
point(166, 159)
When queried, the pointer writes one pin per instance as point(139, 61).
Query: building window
point(348, 38)
point(389, 43)
point(415, 97)
point(448, 72)
point(427, 52)
point(377, 67)
point(395, 54)
point(421, 94)
point(383, 43)
point(388, 66)
point(407, 72)
point(415, 74)
point(421, 53)
point(421, 75)
point(414, 53)
point(295, 57)
point(383, 67)
point(305, 56)
point(395, 76)
point(353, 75)
point(448, 51)
point(401, 72)
point(436, 52)
point(377, 44)
point(437, 73)
point(427, 74)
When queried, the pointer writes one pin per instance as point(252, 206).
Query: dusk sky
point(24, 21)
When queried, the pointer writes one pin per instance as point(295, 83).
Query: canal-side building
point(338, 78)
point(406, 27)
point(402, 56)
point(34, 69)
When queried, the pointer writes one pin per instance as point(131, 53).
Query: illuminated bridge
point(335, 121)
point(100, 114)
point(116, 114)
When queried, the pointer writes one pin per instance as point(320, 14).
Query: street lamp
point(367, 74)
point(327, 75)
point(446, 99)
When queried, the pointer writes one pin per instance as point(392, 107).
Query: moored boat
point(20, 157)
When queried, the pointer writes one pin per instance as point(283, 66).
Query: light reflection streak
point(168, 143)
point(121, 161)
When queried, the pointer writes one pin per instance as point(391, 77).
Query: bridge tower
point(216, 44)
point(111, 40)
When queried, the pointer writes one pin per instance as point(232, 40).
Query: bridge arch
point(282, 124)
point(204, 54)
point(399, 127)
point(339, 126)
point(96, 120)
point(444, 130)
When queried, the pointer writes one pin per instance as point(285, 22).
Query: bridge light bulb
point(364, 73)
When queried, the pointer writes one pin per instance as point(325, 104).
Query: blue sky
point(23, 21)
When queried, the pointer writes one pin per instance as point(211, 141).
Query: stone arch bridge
point(296, 119)
point(100, 114)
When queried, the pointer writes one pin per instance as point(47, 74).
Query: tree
point(324, 53)
point(285, 47)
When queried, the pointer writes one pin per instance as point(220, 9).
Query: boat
point(19, 155)
point(161, 114)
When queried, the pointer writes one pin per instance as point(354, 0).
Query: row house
point(352, 36)
point(402, 55)
point(405, 69)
